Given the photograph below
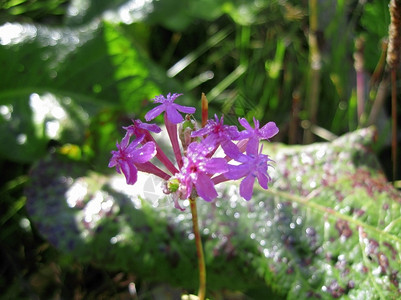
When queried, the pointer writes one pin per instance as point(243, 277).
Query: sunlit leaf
point(126, 11)
point(328, 227)
point(55, 79)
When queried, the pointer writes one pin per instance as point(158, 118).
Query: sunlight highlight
point(47, 110)
point(16, 33)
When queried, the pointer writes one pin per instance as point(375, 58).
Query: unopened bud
point(172, 185)
point(185, 130)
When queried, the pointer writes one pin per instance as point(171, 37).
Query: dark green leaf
point(375, 21)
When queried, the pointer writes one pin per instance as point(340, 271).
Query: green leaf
point(23, 9)
point(244, 12)
point(329, 226)
point(166, 13)
point(125, 11)
point(59, 77)
point(375, 21)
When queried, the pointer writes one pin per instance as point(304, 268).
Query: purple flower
point(254, 165)
point(125, 158)
point(197, 169)
point(218, 134)
point(167, 105)
point(255, 134)
point(139, 128)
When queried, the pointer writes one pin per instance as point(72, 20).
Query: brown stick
point(393, 51)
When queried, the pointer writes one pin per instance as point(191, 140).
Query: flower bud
point(172, 185)
point(185, 129)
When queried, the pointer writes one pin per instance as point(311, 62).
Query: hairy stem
point(199, 250)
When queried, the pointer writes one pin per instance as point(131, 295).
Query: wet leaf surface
point(328, 227)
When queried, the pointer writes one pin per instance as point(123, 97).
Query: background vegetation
point(74, 72)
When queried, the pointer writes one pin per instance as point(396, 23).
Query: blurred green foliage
point(74, 72)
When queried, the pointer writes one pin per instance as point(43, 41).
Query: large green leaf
point(328, 227)
point(59, 77)
point(166, 13)
point(126, 11)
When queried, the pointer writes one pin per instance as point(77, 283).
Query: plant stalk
point(360, 79)
point(393, 60)
point(315, 67)
point(394, 121)
point(199, 250)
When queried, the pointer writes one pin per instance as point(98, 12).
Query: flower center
point(217, 128)
point(193, 168)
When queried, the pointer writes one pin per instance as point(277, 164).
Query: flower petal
point(231, 150)
point(237, 172)
point(263, 179)
point(262, 163)
point(201, 132)
point(256, 123)
point(184, 109)
point(246, 187)
point(125, 141)
point(171, 98)
point(252, 146)
point(216, 165)
point(113, 161)
point(154, 112)
point(176, 203)
point(173, 115)
point(232, 132)
point(269, 130)
point(144, 153)
point(150, 127)
point(129, 170)
point(132, 147)
point(205, 187)
point(245, 124)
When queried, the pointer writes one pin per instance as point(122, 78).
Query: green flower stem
point(199, 251)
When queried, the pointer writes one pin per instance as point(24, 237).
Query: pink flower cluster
point(197, 170)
